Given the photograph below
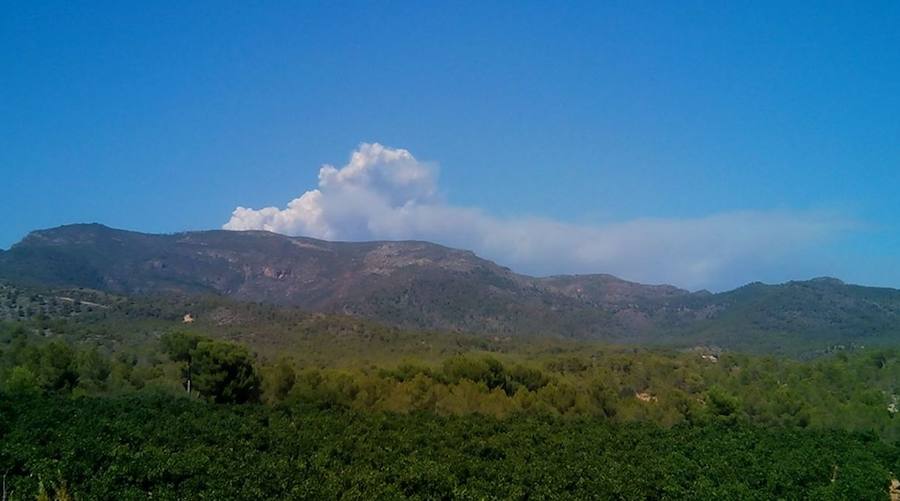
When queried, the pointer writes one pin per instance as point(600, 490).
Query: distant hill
point(422, 285)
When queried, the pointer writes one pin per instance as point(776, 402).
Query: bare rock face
point(424, 285)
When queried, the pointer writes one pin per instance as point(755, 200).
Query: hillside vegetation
point(171, 396)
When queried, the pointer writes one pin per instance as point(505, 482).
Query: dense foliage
point(857, 392)
point(167, 448)
point(94, 403)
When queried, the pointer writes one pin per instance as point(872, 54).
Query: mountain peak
point(827, 281)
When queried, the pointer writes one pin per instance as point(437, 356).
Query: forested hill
point(423, 285)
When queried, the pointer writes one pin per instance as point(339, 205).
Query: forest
point(124, 397)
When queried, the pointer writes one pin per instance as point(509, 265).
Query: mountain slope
point(424, 285)
point(415, 284)
point(797, 313)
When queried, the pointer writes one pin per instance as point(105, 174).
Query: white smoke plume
point(387, 194)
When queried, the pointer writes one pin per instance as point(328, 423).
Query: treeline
point(158, 447)
point(221, 371)
point(853, 393)
point(857, 392)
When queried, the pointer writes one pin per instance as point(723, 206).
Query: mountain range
point(422, 285)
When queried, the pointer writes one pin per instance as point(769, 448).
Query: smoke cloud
point(385, 193)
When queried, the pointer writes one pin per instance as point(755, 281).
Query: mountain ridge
point(103, 227)
point(417, 284)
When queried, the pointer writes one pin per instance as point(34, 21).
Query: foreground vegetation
point(140, 447)
point(123, 399)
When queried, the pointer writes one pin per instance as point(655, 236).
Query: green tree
point(487, 370)
point(224, 372)
point(93, 369)
point(180, 347)
point(722, 405)
point(56, 369)
point(22, 380)
point(278, 381)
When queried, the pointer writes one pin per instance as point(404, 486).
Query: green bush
point(165, 447)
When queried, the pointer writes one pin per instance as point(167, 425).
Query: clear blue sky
point(165, 116)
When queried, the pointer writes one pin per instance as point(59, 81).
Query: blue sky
point(592, 119)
